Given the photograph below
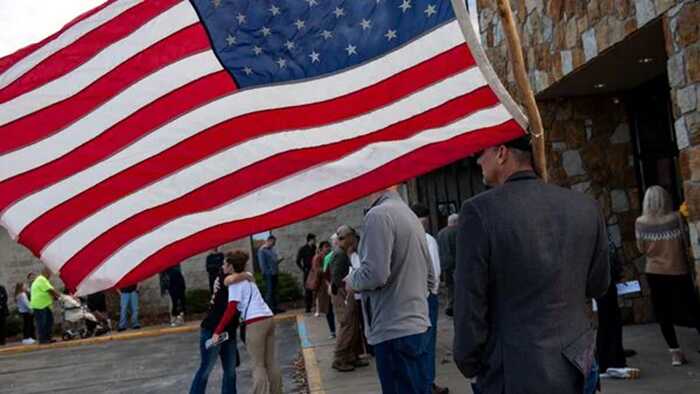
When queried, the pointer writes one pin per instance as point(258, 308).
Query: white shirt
point(250, 301)
point(355, 263)
point(435, 258)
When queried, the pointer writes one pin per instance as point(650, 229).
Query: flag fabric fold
point(146, 132)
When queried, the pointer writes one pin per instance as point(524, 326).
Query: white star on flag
point(300, 24)
point(390, 34)
point(247, 70)
point(257, 50)
point(289, 45)
point(281, 62)
point(241, 18)
point(405, 5)
point(351, 49)
point(266, 31)
point(365, 24)
point(339, 12)
point(327, 34)
point(315, 57)
point(312, 2)
point(231, 40)
point(274, 10)
point(430, 10)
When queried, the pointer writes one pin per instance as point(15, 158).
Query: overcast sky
point(25, 22)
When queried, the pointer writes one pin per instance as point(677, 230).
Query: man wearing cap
point(394, 276)
point(349, 345)
point(529, 255)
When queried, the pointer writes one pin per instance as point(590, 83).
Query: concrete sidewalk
point(657, 377)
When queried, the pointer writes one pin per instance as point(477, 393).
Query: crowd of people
point(528, 257)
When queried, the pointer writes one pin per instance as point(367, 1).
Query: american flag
point(145, 132)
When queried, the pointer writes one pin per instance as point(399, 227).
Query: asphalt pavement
point(158, 364)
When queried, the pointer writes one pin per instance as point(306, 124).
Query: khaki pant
point(260, 343)
point(348, 345)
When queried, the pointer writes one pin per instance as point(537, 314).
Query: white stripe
point(158, 28)
point(265, 98)
point(226, 162)
point(65, 39)
point(121, 106)
point(281, 194)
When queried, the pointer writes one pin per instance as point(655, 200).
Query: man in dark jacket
point(529, 255)
point(304, 258)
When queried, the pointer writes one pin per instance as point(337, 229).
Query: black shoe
point(449, 312)
point(630, 353)
point(136, 327)
point(278, 310)
point(120, 329)
point(440, 390)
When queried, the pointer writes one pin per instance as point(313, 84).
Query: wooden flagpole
point(515, 49)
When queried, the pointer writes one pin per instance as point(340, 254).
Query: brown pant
point(260, 342)
point(348, 344)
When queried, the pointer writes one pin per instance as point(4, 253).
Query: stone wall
point(589, 150)
point(559, 36)
point(682, 31)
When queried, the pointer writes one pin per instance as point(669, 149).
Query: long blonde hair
point(657, 203)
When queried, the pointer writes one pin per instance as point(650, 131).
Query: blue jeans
point(271, 291)
point(433, 309)
point(227, 352)
point(44, 324)
point(591, 384)
point(401, 365)
point(129, 301)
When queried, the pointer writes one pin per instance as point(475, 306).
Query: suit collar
point(521, 176)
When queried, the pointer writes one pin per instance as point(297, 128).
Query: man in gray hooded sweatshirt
point(394, 277)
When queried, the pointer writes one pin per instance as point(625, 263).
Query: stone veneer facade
point(588, 139)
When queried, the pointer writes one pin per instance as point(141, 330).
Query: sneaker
point(342, 367)
point(28, 341)
point(120, 329)
point(317, 314)
point(361, 363)
point(332, 336)
point(621, 373)
point(136, 327)
point(677, 357)
point(449, 312)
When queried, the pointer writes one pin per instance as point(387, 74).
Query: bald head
point(452, 219)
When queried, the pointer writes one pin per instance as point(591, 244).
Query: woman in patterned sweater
point(662, 238)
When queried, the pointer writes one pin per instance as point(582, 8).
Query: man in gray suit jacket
point(529, 255)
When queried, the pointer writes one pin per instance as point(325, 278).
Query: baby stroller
point(75, 316)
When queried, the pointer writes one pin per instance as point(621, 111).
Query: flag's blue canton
point(265, 41)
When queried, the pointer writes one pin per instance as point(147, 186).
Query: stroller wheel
point(67, 336)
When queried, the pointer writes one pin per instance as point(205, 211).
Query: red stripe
point(418, 162)
point(219, 137)
point(120, 135)
point(51, 119)
point(265, 172)
point(86, 47)
point(7, 61)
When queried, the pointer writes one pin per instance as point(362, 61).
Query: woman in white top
point(25, 310)
point(245, 298)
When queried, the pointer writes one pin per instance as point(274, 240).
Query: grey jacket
point(395, 272)
point(529, 254)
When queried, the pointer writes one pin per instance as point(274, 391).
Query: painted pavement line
point(313, 373)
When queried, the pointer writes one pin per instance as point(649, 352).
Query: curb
point(143, 333)
point(313, 373)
